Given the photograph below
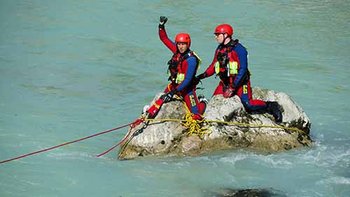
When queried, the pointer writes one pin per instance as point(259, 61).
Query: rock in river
point(227, 126)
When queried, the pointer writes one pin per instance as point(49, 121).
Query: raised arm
point(163, 35)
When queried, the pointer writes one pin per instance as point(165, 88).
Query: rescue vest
point(231, 68)
point(225, 66)
point(176, 70)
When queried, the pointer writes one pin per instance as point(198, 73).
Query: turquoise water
point(69, 69)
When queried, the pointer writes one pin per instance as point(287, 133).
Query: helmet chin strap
point(227, 37)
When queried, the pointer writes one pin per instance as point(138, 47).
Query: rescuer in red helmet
point(230, 63)
point(182, 70)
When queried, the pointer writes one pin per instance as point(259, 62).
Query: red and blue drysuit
point(183, 68)
point(230, 63)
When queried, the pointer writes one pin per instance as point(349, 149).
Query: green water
point(69, 69)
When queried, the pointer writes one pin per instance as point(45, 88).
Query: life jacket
point(225, 66)
point(176, 70)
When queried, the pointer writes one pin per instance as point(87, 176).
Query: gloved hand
point(229, 92)
point(168, 96)
point(202, 76)
point(198, 78)
point(196, 81)
point(162, 21)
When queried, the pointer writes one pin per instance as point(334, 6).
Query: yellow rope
point(195, 126)
point(256, 125)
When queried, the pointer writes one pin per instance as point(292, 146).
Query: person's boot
point(275, 110)
point(203, 102)
point(201, 98)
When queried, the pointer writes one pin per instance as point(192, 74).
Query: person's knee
point(247, 105)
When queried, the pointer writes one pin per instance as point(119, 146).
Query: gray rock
point(247, 193)
point(257, 132)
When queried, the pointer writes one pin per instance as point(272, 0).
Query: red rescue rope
point(137, 121)
point(132, 125)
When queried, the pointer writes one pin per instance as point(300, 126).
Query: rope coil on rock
point(194, 126)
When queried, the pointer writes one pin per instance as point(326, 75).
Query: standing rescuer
point(182, 68)
point(230, 63)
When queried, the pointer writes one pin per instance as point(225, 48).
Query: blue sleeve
point(191, 70)
point(243, 64)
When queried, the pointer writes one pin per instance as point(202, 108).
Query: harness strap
point(175, 64)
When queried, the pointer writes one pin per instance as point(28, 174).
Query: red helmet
point(183, 37)
point(224, 28)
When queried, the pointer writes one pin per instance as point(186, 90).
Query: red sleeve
point(211, 68)
point(167, 42)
